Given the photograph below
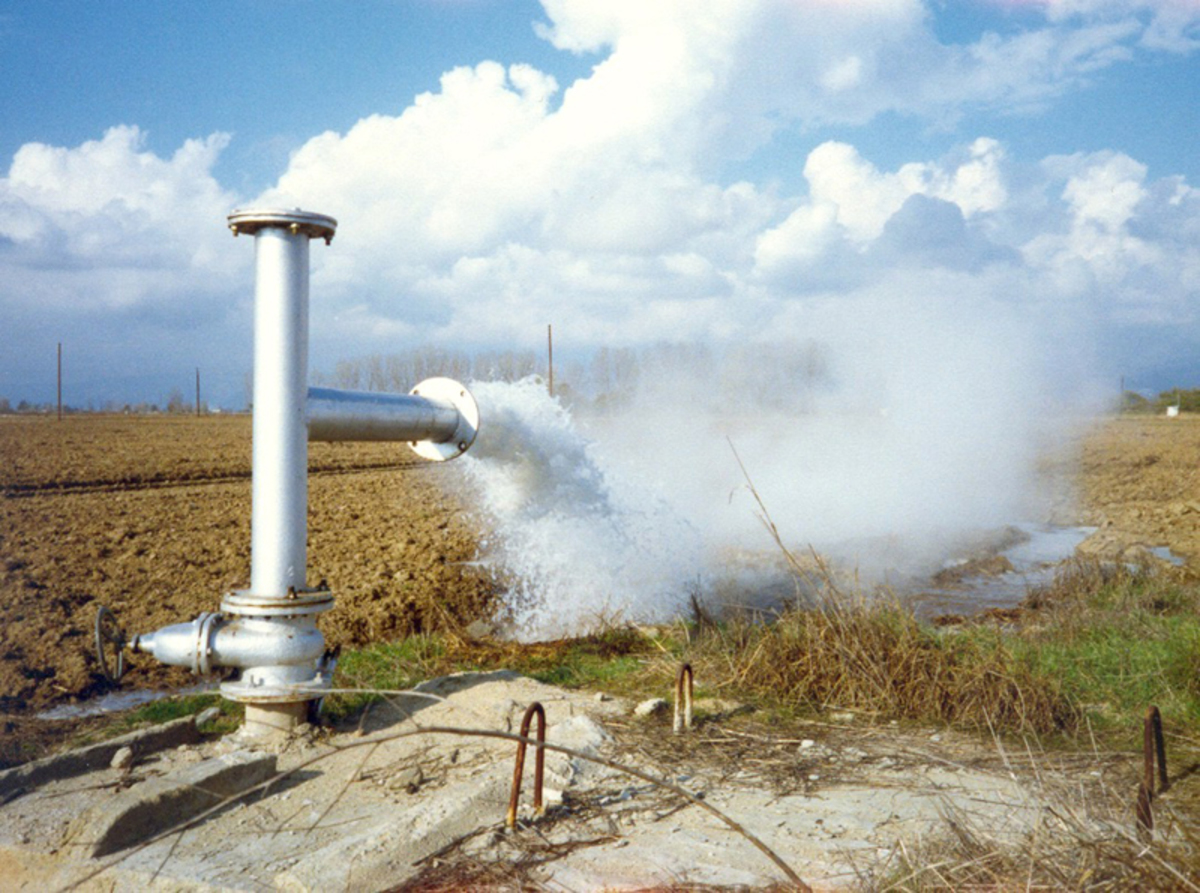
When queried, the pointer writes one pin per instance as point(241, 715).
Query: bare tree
point(175, 402)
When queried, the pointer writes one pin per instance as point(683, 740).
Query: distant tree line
point(398, 372)
point(783, 376)
point(1187, 400)
point(174, 404)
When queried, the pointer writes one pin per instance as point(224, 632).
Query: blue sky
point(726, 171)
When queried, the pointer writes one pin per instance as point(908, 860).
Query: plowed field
point(1139, 481)
point(150, 516)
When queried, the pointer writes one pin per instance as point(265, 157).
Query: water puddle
point(1004, 579)
point(1165, 554)
point(117, 701)
point(1007, 577)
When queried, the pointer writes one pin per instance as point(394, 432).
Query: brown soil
point(150, 516)
point(1139, 481)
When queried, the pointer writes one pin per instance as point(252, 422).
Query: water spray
point(268, 632)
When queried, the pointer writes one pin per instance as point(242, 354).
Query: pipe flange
point(294, 603)
point(204, 629)
point(248, 691)
point(449, 391)
point(251, 220)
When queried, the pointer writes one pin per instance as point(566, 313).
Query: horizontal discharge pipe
point(438, 419)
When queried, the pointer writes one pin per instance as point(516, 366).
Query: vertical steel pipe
point(270, 632)
point(279, 493)
point(279, 500)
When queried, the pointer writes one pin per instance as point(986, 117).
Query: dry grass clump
point(873, 655)
point(1093, 850)
point(1084, 587)
point(876, 657)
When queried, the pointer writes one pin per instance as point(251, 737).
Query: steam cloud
point(903, 422)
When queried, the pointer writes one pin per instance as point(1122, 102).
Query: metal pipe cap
point(251, 220)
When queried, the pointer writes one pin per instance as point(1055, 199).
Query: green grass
point(385, 666)
point(393, 665)
point(585, 671)
point(167, 709)
point(610, 660)
point(161, 711)
point(613, 661)
point(1117, 672)
point(1119, 639)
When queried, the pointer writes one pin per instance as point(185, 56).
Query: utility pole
point(60, 381)
point(197, 392)
point(550, 347)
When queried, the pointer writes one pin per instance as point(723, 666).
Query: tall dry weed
point(876, 657)
point(854, 652)
point(1079, 846)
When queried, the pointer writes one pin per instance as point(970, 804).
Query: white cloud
point(843, 75)
point(110, 205)
point(1172, 25)
point(123, 257)
point(850, 203)
point(1175, 27)
point(806, 236)
point(1105, 194)
point(623, 164)
point(746, 67)
point(1118, 245)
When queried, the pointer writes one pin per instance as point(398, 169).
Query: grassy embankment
point(1091, 651)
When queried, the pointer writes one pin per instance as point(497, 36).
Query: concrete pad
point(26, 777)
point(373, 811)
point(143, 810)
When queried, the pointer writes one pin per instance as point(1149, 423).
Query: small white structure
point(1173, 411)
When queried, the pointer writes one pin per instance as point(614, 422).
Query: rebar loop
point(539, 764)
point(1154, 749)
point(684, 721)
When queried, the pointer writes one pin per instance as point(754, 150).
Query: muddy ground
point(150, 516)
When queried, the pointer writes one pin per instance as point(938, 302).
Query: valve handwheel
point(110, 645)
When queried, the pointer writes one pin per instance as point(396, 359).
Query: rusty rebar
point(1144, 811)
point(1154, 750)
point(684, 721)
point(1160, 748)
point(539, 763)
